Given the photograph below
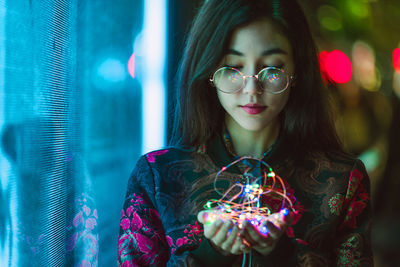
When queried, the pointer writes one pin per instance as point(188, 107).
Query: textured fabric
point(169, 187)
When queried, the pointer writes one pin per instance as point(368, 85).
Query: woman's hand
point(265, 238)
point(223, 234)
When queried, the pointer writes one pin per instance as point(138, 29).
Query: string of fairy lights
point(243, 201)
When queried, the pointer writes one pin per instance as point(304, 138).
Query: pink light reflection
point(131, 65)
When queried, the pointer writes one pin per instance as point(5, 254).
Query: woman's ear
point(293, 81)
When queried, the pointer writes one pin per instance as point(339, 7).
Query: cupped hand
point(223, 234)
point(265, 237)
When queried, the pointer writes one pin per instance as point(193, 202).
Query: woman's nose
point(251, 86)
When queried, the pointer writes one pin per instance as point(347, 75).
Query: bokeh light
point(329, 18)
point(396, 83)
point(396, 59)
point(359, 9)
point(111, 70)
point(336, 66)
point(365, 72)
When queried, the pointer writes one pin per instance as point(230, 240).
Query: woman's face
point(252, 48)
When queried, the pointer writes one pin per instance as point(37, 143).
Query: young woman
point(249, 85)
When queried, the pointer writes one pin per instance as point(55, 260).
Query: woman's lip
point(252, 110)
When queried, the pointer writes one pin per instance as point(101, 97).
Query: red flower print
point(90, 223)
point(129, 211)
point(356, 208)
point(125, 224)
point(354, 181)
point(301, 241)
point(124, 244)
point(136, 222)
point(180, 241)
point(128, 264)
point(86, 210)
point(144, 243)
point(78, 219)
point(170, 241)
point(151, 156)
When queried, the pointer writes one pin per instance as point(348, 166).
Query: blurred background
point(86, 87)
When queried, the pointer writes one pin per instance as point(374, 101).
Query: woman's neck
point(251, 143)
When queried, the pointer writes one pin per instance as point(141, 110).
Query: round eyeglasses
point(271, 79)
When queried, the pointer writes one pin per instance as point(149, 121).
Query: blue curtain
point(70, 123)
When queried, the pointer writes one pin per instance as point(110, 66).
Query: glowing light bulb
point(285, 212)
point(264, 230)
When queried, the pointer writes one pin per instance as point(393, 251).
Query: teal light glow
point(150, 52)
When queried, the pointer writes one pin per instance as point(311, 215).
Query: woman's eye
point(235, 67)
point(273, 66)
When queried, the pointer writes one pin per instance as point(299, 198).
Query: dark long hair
point(305, 121)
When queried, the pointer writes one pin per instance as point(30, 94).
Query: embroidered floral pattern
point(336, 203)
point(358, 202)
point(84, 238)
point(348, 254)
point(151, 157)
point(142, 234)
point(274, 203)
point(354, 180)
point(194, 235)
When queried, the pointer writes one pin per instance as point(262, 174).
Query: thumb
point(202, 216)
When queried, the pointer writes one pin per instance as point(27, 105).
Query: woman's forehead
point(259, 37)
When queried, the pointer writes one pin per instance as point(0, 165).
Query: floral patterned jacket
point(169, 187)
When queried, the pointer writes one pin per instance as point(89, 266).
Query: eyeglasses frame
point(290, 79)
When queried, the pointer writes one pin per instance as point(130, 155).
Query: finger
point(255, 238)
point(206, 216)
point(247, 238)
point(220, 236)
point(274, 231)
point(211, 230)
point(236, 248)
point(201, 216)
point(227, 245)
point(239, 247)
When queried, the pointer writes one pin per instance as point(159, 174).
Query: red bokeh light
point(338, 67)
point(396, 59)
point(131, 65)
point(335, 66)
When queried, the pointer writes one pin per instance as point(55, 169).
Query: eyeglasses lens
point(230, 80)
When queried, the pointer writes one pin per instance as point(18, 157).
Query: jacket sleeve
point(141, 241)
point(352, 243)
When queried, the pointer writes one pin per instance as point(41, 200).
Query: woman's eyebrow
point(267, 52)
